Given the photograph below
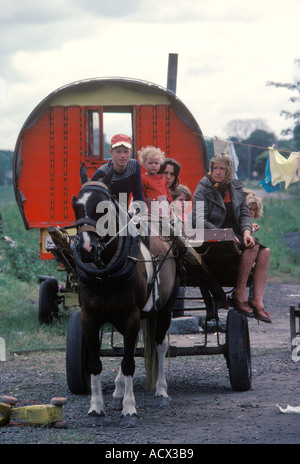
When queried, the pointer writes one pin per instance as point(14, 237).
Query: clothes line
point(278, 168)
point(243, 144)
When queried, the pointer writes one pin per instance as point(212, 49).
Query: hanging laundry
point(221, 146)
point(282, 169)
point(235, 160)
point(267, 184)
point(225, 146)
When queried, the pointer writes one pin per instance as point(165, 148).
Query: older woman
point(225, 206)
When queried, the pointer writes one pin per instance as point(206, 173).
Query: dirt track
point(204, 408)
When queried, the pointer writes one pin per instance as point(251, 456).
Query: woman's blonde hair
point(151, 152)
point(252, 197)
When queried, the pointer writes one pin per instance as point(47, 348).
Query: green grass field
point(19, 288)
point(21, 266)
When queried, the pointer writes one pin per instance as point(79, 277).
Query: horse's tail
point(150, 352)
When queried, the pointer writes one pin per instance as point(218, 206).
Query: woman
point(225, 206)
point(170, 169)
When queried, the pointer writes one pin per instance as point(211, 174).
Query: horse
point(123, 279)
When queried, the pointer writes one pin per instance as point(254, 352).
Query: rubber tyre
point(47, 307)
point(54, 302)
point(238, 351)
point(78, 379)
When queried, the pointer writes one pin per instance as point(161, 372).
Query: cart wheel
point(47, 301)
point(78, 379)
point(238, 351)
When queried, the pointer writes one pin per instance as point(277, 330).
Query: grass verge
point(21, 266)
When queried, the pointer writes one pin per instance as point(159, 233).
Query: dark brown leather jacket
point(214, 208)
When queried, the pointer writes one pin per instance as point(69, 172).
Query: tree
point(296, 138)
point(6, 158)
point(261, 139)
point(249, 148)
point(295, 87)
point(241, 129)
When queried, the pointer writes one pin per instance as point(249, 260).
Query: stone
point(184, 325)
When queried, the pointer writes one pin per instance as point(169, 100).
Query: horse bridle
point(87, 224)
point(118, 268)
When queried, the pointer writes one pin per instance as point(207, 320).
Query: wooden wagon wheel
point(78, 379)
point(238, 351)
point(48, 304)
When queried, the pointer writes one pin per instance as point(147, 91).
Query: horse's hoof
point(129, 421)
point(161, 401)
point(117, 404)
point(96, 418)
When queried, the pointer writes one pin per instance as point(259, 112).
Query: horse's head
point(87, 213)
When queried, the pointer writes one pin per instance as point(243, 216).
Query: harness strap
point(156, 270)
point(86, 228)
point(95, 183)
point(85, 225)
point(85, 220)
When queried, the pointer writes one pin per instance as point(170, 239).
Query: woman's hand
point(236, 240)
point(248, 239)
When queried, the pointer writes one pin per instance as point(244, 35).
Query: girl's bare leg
point(260, 276)
point(247, 260)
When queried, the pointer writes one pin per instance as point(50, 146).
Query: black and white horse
point(123, 279)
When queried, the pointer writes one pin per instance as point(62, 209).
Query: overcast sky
point(227, 51)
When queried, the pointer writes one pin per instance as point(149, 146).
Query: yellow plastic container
point(39, 414)
point(44, 414)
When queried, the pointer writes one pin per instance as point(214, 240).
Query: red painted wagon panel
point(161, 126)
point(51, 157)
point(35, 178)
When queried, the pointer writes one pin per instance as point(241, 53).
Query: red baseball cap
point(121, 139)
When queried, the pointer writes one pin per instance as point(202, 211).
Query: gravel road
point(204, 409)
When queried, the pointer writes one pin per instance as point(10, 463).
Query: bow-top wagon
point(67, 131)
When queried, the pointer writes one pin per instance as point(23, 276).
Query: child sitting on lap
point(154, 185)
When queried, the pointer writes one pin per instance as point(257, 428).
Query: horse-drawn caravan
point(138, 278)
